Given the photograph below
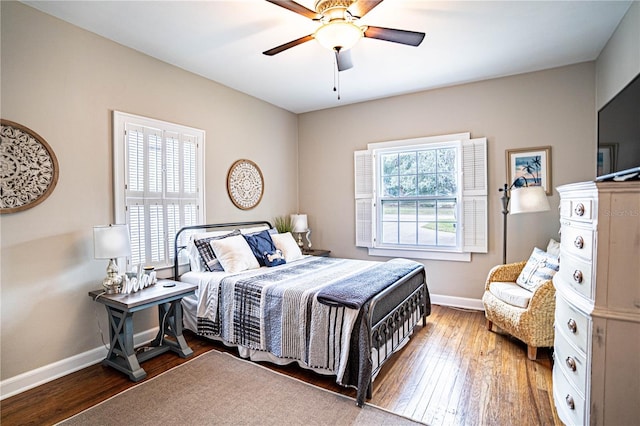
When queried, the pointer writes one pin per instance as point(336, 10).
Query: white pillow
point(254, 229)
point(234, 254)
point(553, 248)
point(195, 260)
point(287, 245)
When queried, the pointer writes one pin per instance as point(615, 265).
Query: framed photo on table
point(529, 167)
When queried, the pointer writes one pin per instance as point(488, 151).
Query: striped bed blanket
point(278, 310)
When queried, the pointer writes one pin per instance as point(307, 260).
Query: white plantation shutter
point(190, 214)
point(189, 173)
point(155, 173)
point(158, 179)
point(156, 232)
point(172, 163)
point(135, 157)
point(173, 223)
point(136, 221)
point(364, 195)
point(474, 195)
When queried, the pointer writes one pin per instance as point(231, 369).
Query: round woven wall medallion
point(245, 184)
point(28, 168)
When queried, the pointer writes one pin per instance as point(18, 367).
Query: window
point(158, 184)
point(422, 198)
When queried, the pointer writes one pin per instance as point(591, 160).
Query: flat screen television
point(619, 134)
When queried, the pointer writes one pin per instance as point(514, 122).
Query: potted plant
point(283, 224)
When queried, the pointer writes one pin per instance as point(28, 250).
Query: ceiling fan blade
point(288, 45)
point(343, 59)
point(297, 8)
point(362, 7)
point(410, 38)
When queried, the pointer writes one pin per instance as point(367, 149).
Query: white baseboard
point(25, 381)
point(47, 373)
point(457, 302)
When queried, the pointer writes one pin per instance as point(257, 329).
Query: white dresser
point(596, 373)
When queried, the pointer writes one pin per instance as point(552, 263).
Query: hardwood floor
point(452, 372)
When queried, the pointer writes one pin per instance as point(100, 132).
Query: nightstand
point(316, 252)
point(166, 295)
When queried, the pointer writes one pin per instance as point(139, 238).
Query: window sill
point(421, 254)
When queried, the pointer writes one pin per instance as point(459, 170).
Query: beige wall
point(619, 61)
point(554, 107)
point(63, 83)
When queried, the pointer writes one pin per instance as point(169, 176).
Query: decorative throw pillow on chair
point(540, 267)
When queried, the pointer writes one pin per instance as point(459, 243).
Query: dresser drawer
point(572, 362)
point(577, 241)
point(569, 403)
point(573, 323)
point(577, 209)
point(577, 274)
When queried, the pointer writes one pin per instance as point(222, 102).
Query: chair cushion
point(540, 267)
point(511, 293)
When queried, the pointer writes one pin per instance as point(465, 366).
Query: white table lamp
point(111, 242)
point(299, 225)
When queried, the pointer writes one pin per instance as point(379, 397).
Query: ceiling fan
point(339, 30)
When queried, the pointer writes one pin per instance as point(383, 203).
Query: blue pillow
point(261, 245)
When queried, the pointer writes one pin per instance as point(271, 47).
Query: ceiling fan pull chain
point(336, 78)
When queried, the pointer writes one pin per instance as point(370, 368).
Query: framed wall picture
point(529, 167)
point(607, 157)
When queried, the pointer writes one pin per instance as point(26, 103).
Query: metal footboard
point(390, 332)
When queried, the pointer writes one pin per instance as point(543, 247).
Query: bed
point(341, 317)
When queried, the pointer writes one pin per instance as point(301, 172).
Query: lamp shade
point(529, 199)
point(299, 223)
point(338, 33)
point(111, 242)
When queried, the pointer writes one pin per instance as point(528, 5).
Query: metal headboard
point(177, 249)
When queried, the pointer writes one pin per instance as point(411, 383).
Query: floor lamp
point(528, 199)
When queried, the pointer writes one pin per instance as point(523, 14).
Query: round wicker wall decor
point(245, 184)
point(28, 168)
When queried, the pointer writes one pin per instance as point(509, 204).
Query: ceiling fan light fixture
point(338, 34)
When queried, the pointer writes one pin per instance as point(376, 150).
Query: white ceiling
point(465, 41)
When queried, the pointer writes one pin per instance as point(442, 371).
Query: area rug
point(217, 388)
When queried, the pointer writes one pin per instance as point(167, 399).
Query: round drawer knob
point(572, 326)
point(578, 242)
point(577, 276)
point(579, 210)
point(571, 363)
point(570, 402)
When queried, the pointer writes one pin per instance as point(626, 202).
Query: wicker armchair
point(534, 324)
